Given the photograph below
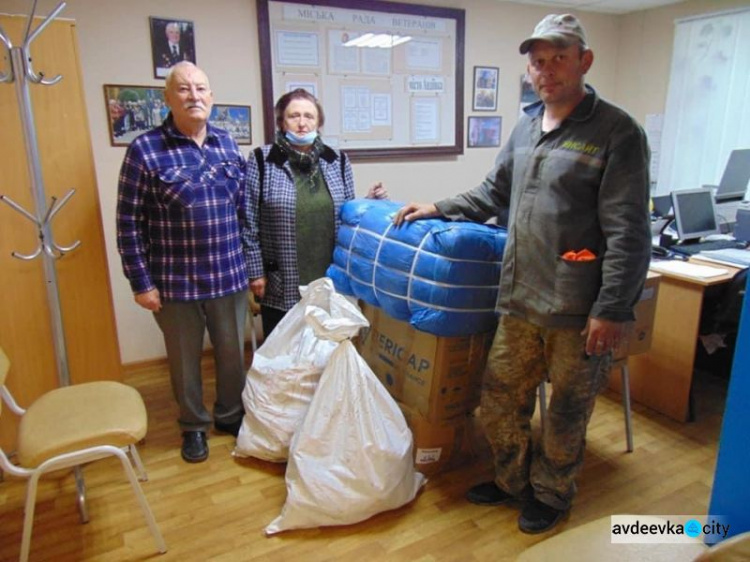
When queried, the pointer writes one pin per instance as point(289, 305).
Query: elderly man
point(173, 53)
point(180, 231)
point(574, 179)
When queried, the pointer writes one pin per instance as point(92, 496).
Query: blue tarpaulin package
point(440, 276)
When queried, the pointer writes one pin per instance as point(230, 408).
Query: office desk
point(662, 377)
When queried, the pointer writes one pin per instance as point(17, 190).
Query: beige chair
point(73, 425)
point(735, 549)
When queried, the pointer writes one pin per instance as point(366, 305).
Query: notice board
point(389, 75)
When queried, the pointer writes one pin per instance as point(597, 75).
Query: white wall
point(630, 55)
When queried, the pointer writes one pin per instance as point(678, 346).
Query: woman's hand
point(377, 191)
point(258, 287)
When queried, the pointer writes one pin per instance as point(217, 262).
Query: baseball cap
point(562, 29)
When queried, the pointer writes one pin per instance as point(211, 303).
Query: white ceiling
point(605, 6)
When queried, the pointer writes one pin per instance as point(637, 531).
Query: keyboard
point(693, 248)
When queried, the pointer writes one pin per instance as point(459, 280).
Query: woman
point(296, 187)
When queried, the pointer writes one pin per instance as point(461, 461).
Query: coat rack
point(22, 73)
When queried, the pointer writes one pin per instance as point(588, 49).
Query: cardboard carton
point(438, 377)
point(639, 340)
point(439, 446)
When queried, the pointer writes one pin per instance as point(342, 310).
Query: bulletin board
point(402, 99)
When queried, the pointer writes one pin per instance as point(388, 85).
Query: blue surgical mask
point(304, 140)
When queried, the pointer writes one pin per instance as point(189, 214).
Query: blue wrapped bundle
point(440, 276)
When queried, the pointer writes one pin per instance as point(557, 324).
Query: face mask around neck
point(304, 140)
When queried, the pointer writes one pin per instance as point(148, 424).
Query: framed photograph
point(389, 75)
point(485, 88)
point(484, 131)
point(133, 110)
point(235, 119)
point(172, 41)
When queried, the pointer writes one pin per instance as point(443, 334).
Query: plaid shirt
point(181, 215)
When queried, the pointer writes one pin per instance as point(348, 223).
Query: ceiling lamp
point(381, 40)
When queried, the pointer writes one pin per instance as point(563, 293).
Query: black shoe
point(194, 446)
point(487, 493)
point(231, 428)
point(537, 517)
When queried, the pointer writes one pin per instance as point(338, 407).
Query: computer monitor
point(662, 205)
point(694, 213)
point(736, 174)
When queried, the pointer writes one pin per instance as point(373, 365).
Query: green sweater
point(315, 228)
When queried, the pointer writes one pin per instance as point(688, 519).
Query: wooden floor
point(217, 510)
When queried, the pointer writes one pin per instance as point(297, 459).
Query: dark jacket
point(273, 228)
point(582, 185)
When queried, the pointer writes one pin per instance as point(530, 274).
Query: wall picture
point(484, 131)
point(235, 119)
point(133, 110)
point(485, 88)
point(172, 41)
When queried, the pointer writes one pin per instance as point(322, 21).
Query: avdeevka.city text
point(666, 528)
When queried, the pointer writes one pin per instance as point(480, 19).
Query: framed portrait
point(485, 88)
point(172, 41)
point(484, 131)
point(235, 119)
point(389, 75)
point(133, 110)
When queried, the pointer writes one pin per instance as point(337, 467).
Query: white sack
point(352, 455)
point(286, 369)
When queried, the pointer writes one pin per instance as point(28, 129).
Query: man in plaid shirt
point(181, 233)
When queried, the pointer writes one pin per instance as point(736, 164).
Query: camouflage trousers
point(521, 357)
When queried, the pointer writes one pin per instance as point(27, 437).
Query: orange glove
point(583, 255)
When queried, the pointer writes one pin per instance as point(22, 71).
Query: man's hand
point(415, 211)
point(603, 336)
point(258, 287)
point(150, 300)
point(377, 191)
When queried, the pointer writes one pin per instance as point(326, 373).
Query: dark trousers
point(183, 325)
point(270, 317)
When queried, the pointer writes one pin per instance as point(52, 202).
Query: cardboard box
point(639, 340)
point(438, 377)
point(439, 446)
